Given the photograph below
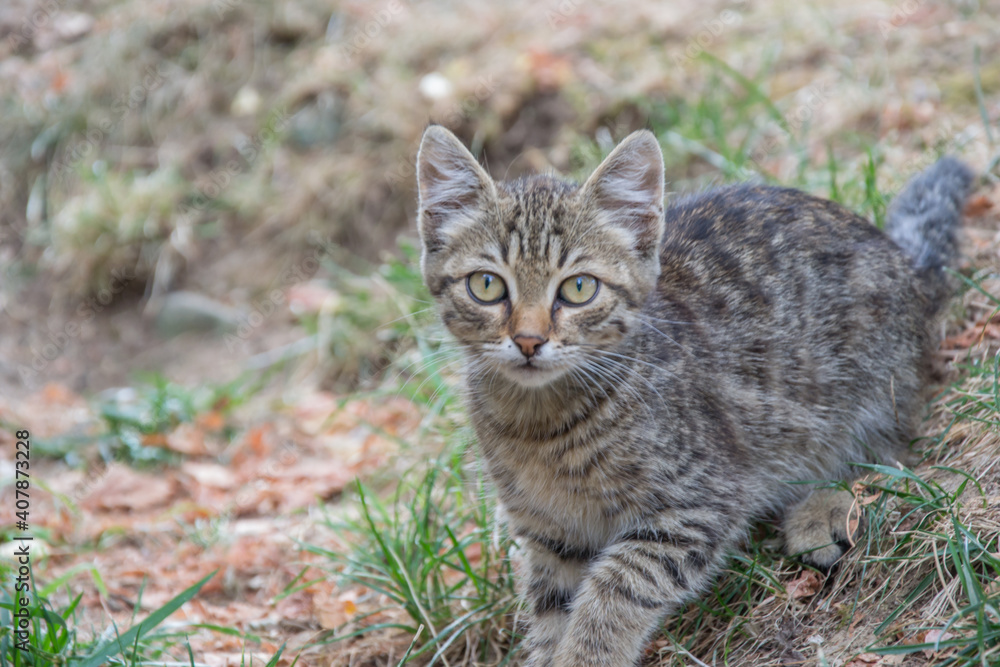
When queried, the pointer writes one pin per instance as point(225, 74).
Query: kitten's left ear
point(453, 188)
point(627, 190)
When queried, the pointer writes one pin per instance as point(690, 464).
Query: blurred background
point(167, 166)
point(209, 282)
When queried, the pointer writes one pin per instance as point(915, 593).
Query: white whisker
point(668, 337)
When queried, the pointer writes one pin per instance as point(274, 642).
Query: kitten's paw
point(820, 529)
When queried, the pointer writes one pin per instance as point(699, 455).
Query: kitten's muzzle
point(529, 344)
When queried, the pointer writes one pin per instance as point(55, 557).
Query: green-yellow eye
point(578, 290)
point(486, 287)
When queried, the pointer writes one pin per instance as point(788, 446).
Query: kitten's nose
point(529, 344)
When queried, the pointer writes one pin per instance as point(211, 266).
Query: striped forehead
point(536, 215)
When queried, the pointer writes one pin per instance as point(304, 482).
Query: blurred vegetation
point(197, 149)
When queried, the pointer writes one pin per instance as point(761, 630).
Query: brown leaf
point(187, 439)
point(210, 421)
point(257, 440)
point(210, 474)
point(59, 394)
point(932, 636)
point(333, 611)
point(805, 585)
point(978, 206)
point(125, 489)
point(974, 334)
point(550, 71)
point(868, 500)
point(154, 440)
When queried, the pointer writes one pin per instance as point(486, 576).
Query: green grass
point(51, 638)
point(428, 549)
point(154, 406)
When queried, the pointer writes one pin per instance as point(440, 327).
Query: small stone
point(189, 311)
point(70, 26)
point(246, 102)
point(435, 86)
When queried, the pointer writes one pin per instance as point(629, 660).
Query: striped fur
point(743, 339)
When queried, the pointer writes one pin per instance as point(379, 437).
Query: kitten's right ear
point(453, 188)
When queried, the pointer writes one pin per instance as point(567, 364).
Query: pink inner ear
point(447, 188)
point(628, 187)
point(451, 185)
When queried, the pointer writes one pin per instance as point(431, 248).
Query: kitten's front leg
point(633, 585)
point(553, 579)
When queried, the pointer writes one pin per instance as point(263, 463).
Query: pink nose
point(529, 344)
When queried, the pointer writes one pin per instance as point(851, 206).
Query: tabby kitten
point(645, 383)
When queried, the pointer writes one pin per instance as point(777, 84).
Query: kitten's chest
point(580, 497)
point(533, 501)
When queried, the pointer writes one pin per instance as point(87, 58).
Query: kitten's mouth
point(532, 375)
point(527, 369)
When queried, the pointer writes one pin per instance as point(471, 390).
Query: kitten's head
point(536, 276)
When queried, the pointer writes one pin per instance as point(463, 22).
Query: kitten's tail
point(924, 219)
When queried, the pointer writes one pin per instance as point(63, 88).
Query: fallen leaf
point(334, 611)
point(258, 441)
point(474, 552)
point(977, 206)
point(210, 421)
point(187, 439)
point(125, 489)
point(974, 334)
point(805, 585)
point(550, 71)
point(53, 392)
point(932, 637)
point(210, 474)
point(154, 440)
point(868, 500)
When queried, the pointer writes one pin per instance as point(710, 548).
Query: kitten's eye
point(578, 290)
point(486, 288)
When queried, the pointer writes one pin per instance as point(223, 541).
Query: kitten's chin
point(532, 377)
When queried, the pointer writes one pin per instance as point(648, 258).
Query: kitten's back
point(811, 323)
